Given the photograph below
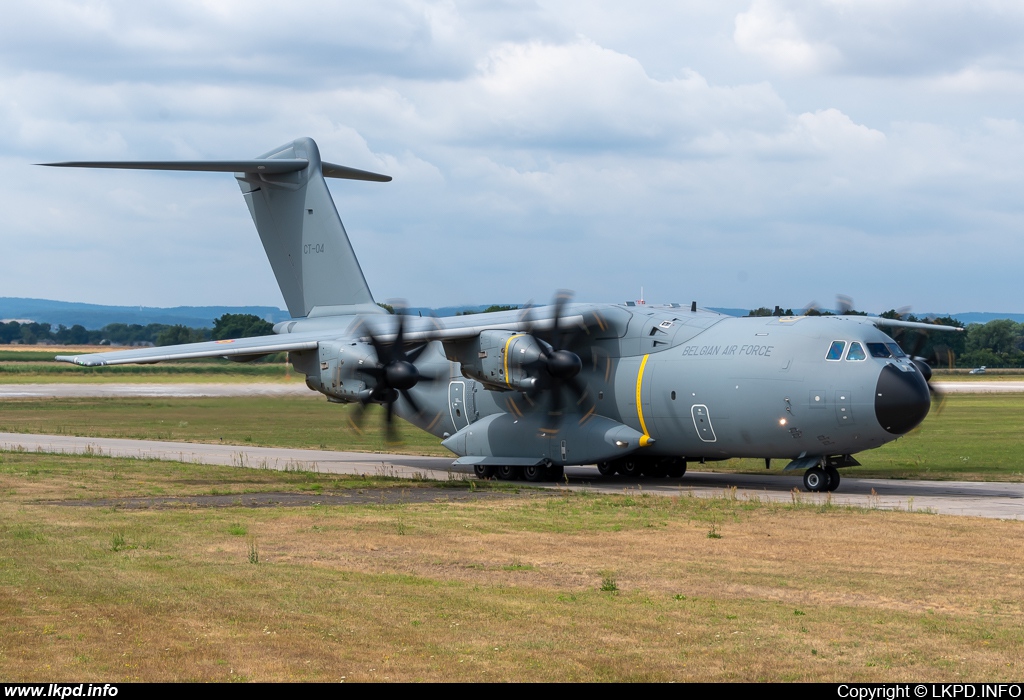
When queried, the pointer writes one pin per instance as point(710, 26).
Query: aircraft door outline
point(457, 408)
point(702, 423)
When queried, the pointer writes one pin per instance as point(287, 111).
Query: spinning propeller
point(922, 363)
point(556, 367)
point(395, 373)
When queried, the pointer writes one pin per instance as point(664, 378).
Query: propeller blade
point(397, 350)
point(919, 342)
point(578, 388)
point(412, 402)
point(938, 399)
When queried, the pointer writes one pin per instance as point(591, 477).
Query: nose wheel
point(817, 479)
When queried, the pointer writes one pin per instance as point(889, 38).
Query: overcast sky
point(737, 153)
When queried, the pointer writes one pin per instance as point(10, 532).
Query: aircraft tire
point(483, 471)
point(629, 467)
point(833, 478)
point(815, 480)
point(508, 472)
point(606, 468)
point(677, 468)
point(535, 472)
point(654, 468)
point(555, 472)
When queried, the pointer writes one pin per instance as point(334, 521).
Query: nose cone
point(902, 400)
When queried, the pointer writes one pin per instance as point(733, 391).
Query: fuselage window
point(836, 351)
point(856, 352)
point(879, 350)
point(896, 350)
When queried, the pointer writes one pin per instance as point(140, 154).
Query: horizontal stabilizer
point(261, 166)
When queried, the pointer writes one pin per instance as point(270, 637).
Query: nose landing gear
point(817, 479)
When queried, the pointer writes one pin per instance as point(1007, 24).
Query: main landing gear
point(817, 479)
point(658, 467)
point(532, 472)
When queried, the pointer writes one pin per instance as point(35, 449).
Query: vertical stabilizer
point(307, 245)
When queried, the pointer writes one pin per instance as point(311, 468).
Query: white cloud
point(772, 33)
point(529, 151)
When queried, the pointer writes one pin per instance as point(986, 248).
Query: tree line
point(124, 334)
point(998, 343)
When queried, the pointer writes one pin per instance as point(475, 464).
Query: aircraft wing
point(892, 322)
point(260, 345)
point(289, 342)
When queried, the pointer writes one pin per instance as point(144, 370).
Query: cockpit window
point(879, 350)
point(896, 350)
point(856, 352)
point(836, 351)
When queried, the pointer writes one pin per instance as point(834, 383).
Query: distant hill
point(979, 317)
point(94, 316)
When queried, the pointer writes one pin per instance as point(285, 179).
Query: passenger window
point(836, 351)
point(896, 350)
point(879, 350)
point(856, 352)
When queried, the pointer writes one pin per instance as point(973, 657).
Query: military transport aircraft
point(635, 389)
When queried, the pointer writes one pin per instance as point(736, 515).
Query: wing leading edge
point(293, 342)
point(261, 345)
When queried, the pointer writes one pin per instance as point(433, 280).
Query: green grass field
point(35, 365)
point(527, 587)
point(973, 437)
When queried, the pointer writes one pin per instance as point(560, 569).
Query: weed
point(678, 596)
point(713, 533)
point(254, 552)
point(117, 541)
point(799, 612)
point(517, 565)
point(608, 583)
point(237, 529)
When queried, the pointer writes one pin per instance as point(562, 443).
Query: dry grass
point(507, 590)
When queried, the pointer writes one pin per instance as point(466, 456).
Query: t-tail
point(307, 245)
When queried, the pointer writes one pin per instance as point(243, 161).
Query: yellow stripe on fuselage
point(639, 405)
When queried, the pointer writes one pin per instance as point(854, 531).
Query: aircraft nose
point(902, 400)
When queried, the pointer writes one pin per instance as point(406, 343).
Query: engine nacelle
point(337, 373)
point(501, 360)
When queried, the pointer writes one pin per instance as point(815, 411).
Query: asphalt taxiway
point(983, 499)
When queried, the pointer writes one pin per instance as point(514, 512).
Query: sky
point(737, 153)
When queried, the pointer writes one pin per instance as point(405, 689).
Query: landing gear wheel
point(676, 468)
point(606, 468)
point(555, 473)
point(483, 471)
point(535, 472)
point(629, 467)
point(815, 479)
point(654, 469)
point(507, 472)
point(833, 478)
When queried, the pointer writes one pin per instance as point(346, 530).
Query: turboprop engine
point(338, 374)
point(506, 360)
